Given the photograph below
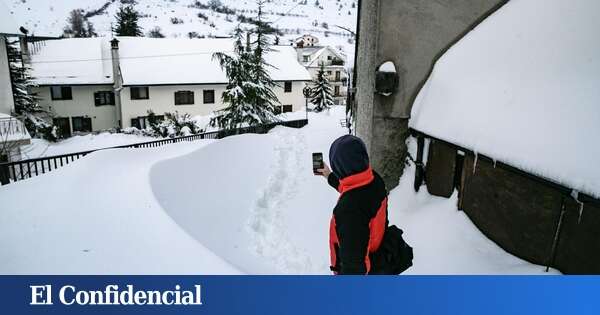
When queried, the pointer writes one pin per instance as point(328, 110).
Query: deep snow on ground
point(98, 216)
point(243, 204)
point(40, 147)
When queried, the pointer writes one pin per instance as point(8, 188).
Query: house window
point(139, 93)
point(142, 122)
point(287, 86)
point(337, 75)
point(283, 109)
point(64, 126)
point(184, 98)
point(306, 58)
point(328, 72)
point(59, 93)
point(208, 96)
point(104, 98)
point(329, 58)
point(336, 90)
point(81, 124)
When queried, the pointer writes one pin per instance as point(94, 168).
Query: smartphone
point(317, 158)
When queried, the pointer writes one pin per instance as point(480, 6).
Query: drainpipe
point(25, 56)
point(117, 79)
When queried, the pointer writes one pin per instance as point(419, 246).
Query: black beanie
point(348, 156)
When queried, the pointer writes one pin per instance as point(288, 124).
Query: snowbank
point(523, 88)
point(243, 204)
point(98, 216)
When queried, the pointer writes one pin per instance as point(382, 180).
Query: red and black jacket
point(359, 221)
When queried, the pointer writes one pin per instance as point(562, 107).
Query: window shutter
point(97, 99)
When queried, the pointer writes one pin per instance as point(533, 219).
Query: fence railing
point(20, 170)
point(12, 128)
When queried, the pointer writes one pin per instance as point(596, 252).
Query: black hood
point(348, 156)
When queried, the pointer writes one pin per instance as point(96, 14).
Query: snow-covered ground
point(294, 18)
point(39, 147)
point(244, 204)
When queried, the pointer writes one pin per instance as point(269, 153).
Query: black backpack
point(394, 255)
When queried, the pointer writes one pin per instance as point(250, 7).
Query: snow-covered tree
point(27, 108)
point(127, 22)
point(321, 91)
point(168, 125)
point(78, 25)
point(156, 32)
point(249, 92)
point(264, 97)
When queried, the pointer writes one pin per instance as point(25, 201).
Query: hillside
point(190, 18)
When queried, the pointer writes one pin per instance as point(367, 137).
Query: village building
point(306, 40)
point(313, 56)
point(92, 84)
point(506, 119)
point(13, 133)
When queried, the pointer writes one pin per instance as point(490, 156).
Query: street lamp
point(307, 91)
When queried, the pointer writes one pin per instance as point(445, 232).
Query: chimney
point(117, 79)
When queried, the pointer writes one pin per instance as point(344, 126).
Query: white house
point(77, 83)
point(12, 131)
point(312, 57)
point(306, 40)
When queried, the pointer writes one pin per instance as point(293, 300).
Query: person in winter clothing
point(359, 218)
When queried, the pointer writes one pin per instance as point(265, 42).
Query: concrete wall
point(82, 104)
point(162, 99)
point(6, 98)
point(412, 34)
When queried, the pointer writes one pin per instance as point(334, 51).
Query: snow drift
point(243, 204)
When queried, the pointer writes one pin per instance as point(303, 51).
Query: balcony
point(13, 130)
point(337, 62)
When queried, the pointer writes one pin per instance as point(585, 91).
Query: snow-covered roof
point(72, 61)
point(149, 61)
point(7, 24)
point(523, 88)
point(318, 54)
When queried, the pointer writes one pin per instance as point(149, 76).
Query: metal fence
point(11, 127)
point(20, 170)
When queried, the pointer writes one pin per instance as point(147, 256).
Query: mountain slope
point(189, 18)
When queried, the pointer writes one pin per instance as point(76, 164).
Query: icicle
point(580, 211)
point(495, 163)
point(475, 162)
point(575, 195)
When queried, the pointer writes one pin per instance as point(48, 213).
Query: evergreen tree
point(78, 25)
point(21, 80)
point(321, 97)
point(127, 22)
point(249, 92)
point(264, 97)
point(27, 108)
